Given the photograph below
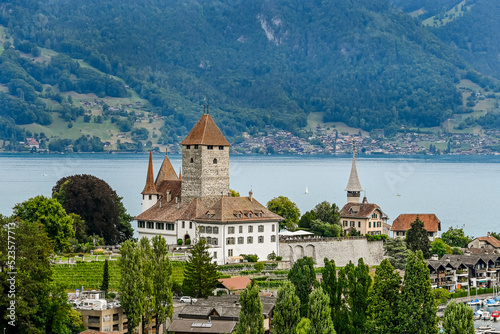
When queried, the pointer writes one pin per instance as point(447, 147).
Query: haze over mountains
point(367, 63)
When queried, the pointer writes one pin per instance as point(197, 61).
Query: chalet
point(402, 224)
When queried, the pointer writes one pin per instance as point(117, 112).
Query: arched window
point(215, 161)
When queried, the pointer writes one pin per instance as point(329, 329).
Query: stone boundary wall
point(341, 250)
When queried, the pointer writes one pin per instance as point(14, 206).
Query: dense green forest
point(257, 63)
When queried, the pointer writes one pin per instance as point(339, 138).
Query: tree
point(304, 326)
point(287, 310)
point(303, 277)
point(98, 204)
point(331, 287)
point(162, 280)
point(251, 319)
point(458, 319)
point(40, 305)
point(307, 218)
point(287, 209)
point(455, 237)
point(200, 272)
point(441, 295)
point(320, 313)
point(383, 298)
point(417, 308)
point(50, 213)
point(397, 252)
point(418, 239)
point(328, 213)
point(146, 280)
point(356, 295)
point(105, 277)
point(440, 248)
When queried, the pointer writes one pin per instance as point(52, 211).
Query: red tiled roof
point(359, 210)
point(166, 172)
point(150, 188)
point(227, 209)
point(235, 283)
point(491, 240)
point(404, 221)
point(205, 132)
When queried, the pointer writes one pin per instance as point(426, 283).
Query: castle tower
point(353, 186)
point(205, 163)
point(149, 195)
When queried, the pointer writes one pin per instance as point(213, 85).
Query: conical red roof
point(205, 132)
point(150, 188)
point(166, 172)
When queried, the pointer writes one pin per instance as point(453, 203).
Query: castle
point(198, 205)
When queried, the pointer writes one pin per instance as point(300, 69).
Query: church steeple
point(353, 186)
point(149, 194)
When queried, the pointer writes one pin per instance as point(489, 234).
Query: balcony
point(441, 275)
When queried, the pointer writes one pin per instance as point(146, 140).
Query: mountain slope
point(258, 62)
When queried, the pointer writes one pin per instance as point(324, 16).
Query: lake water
point(460, 190)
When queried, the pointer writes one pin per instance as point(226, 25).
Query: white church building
point(198, 204)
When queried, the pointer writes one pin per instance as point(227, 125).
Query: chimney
point(250, 194)
point(434, 257)
point(489, 234)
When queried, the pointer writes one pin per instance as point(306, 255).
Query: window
point(250, 229)
point(210, 147)
point(345, 222)
point(209, 241)
point(431, 234)
point(215, 241)
point(150, 197)
point(215, 255)
point(261, 239)
point(241, 240)
point(273, 227)
point(160, 226)
point(261, 228)
point(249, 240)
point(374, 215)
point(230, 241)
point(261, 214)
point(150, 225)
point(188, 147)
point(241, 229)
point(191, 161)
point(359, 224)
point(273, 238)
point(250, 215)
point(230, 230)
point(190, 224)
point(369, 224)
point(209, 229)
point(183, 224)
point(352, 224)
point(216, 230)
point(221, 148)
point(202, 229)
point(229, 252)
point(195, 147)
point(170, 227)
point(215, 162)
point(141, 223)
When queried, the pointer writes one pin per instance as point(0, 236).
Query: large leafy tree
point(328, 213)
point(162, 280)
point(455, 237)
point(287, 310)
point(98, 204)
point(50, 213)
point(397, 252)
point(417, 238)
point(251, 319)
point(417, 307)
point(40, 306)
point(303, 277)
point(320, 313)
point(383, 300)
point(440, 248)
point(200, 272)
point(287, 209)
point(458, 319)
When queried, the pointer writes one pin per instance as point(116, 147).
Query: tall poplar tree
point(251, 319)
point(342, 319)
point(200, 272)
point(458, 319)
point(417, 238)
point(146, 265)
point(331, 287)
point(162, 280)
point(303, 277)
point(417, 308)
point(383, 300)
point(359, 282)
point(320, 313)
point(287, 310)
point(105, 277)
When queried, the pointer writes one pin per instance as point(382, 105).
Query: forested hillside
point(257, 63)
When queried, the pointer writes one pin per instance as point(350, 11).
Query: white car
point(187, 299)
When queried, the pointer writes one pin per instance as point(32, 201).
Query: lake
point(463, 191)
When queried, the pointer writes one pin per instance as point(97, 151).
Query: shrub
point(188, 241)
point(259, 266)
point(179, 241)
point(278, 258)
point(250, 257)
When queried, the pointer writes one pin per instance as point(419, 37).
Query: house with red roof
point(199, 206)
point(402, 224)
point(489, 243)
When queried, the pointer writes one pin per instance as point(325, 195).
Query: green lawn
point(449, 16)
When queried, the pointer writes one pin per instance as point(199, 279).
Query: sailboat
point(307, 191)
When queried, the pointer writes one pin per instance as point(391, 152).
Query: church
point(197, 204)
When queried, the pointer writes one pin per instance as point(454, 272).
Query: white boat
point(307, 191)
point(486, 315)
point(492, 302)
point(475, 302)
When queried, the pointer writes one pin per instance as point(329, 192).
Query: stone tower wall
point(203, 178)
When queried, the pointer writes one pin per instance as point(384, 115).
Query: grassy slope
point(450, 15)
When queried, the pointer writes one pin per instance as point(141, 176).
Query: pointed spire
point(166, 171)
point(353, 185)
point(180, 174)
point(149, 188)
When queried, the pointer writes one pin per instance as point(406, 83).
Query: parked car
point(187, 299)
